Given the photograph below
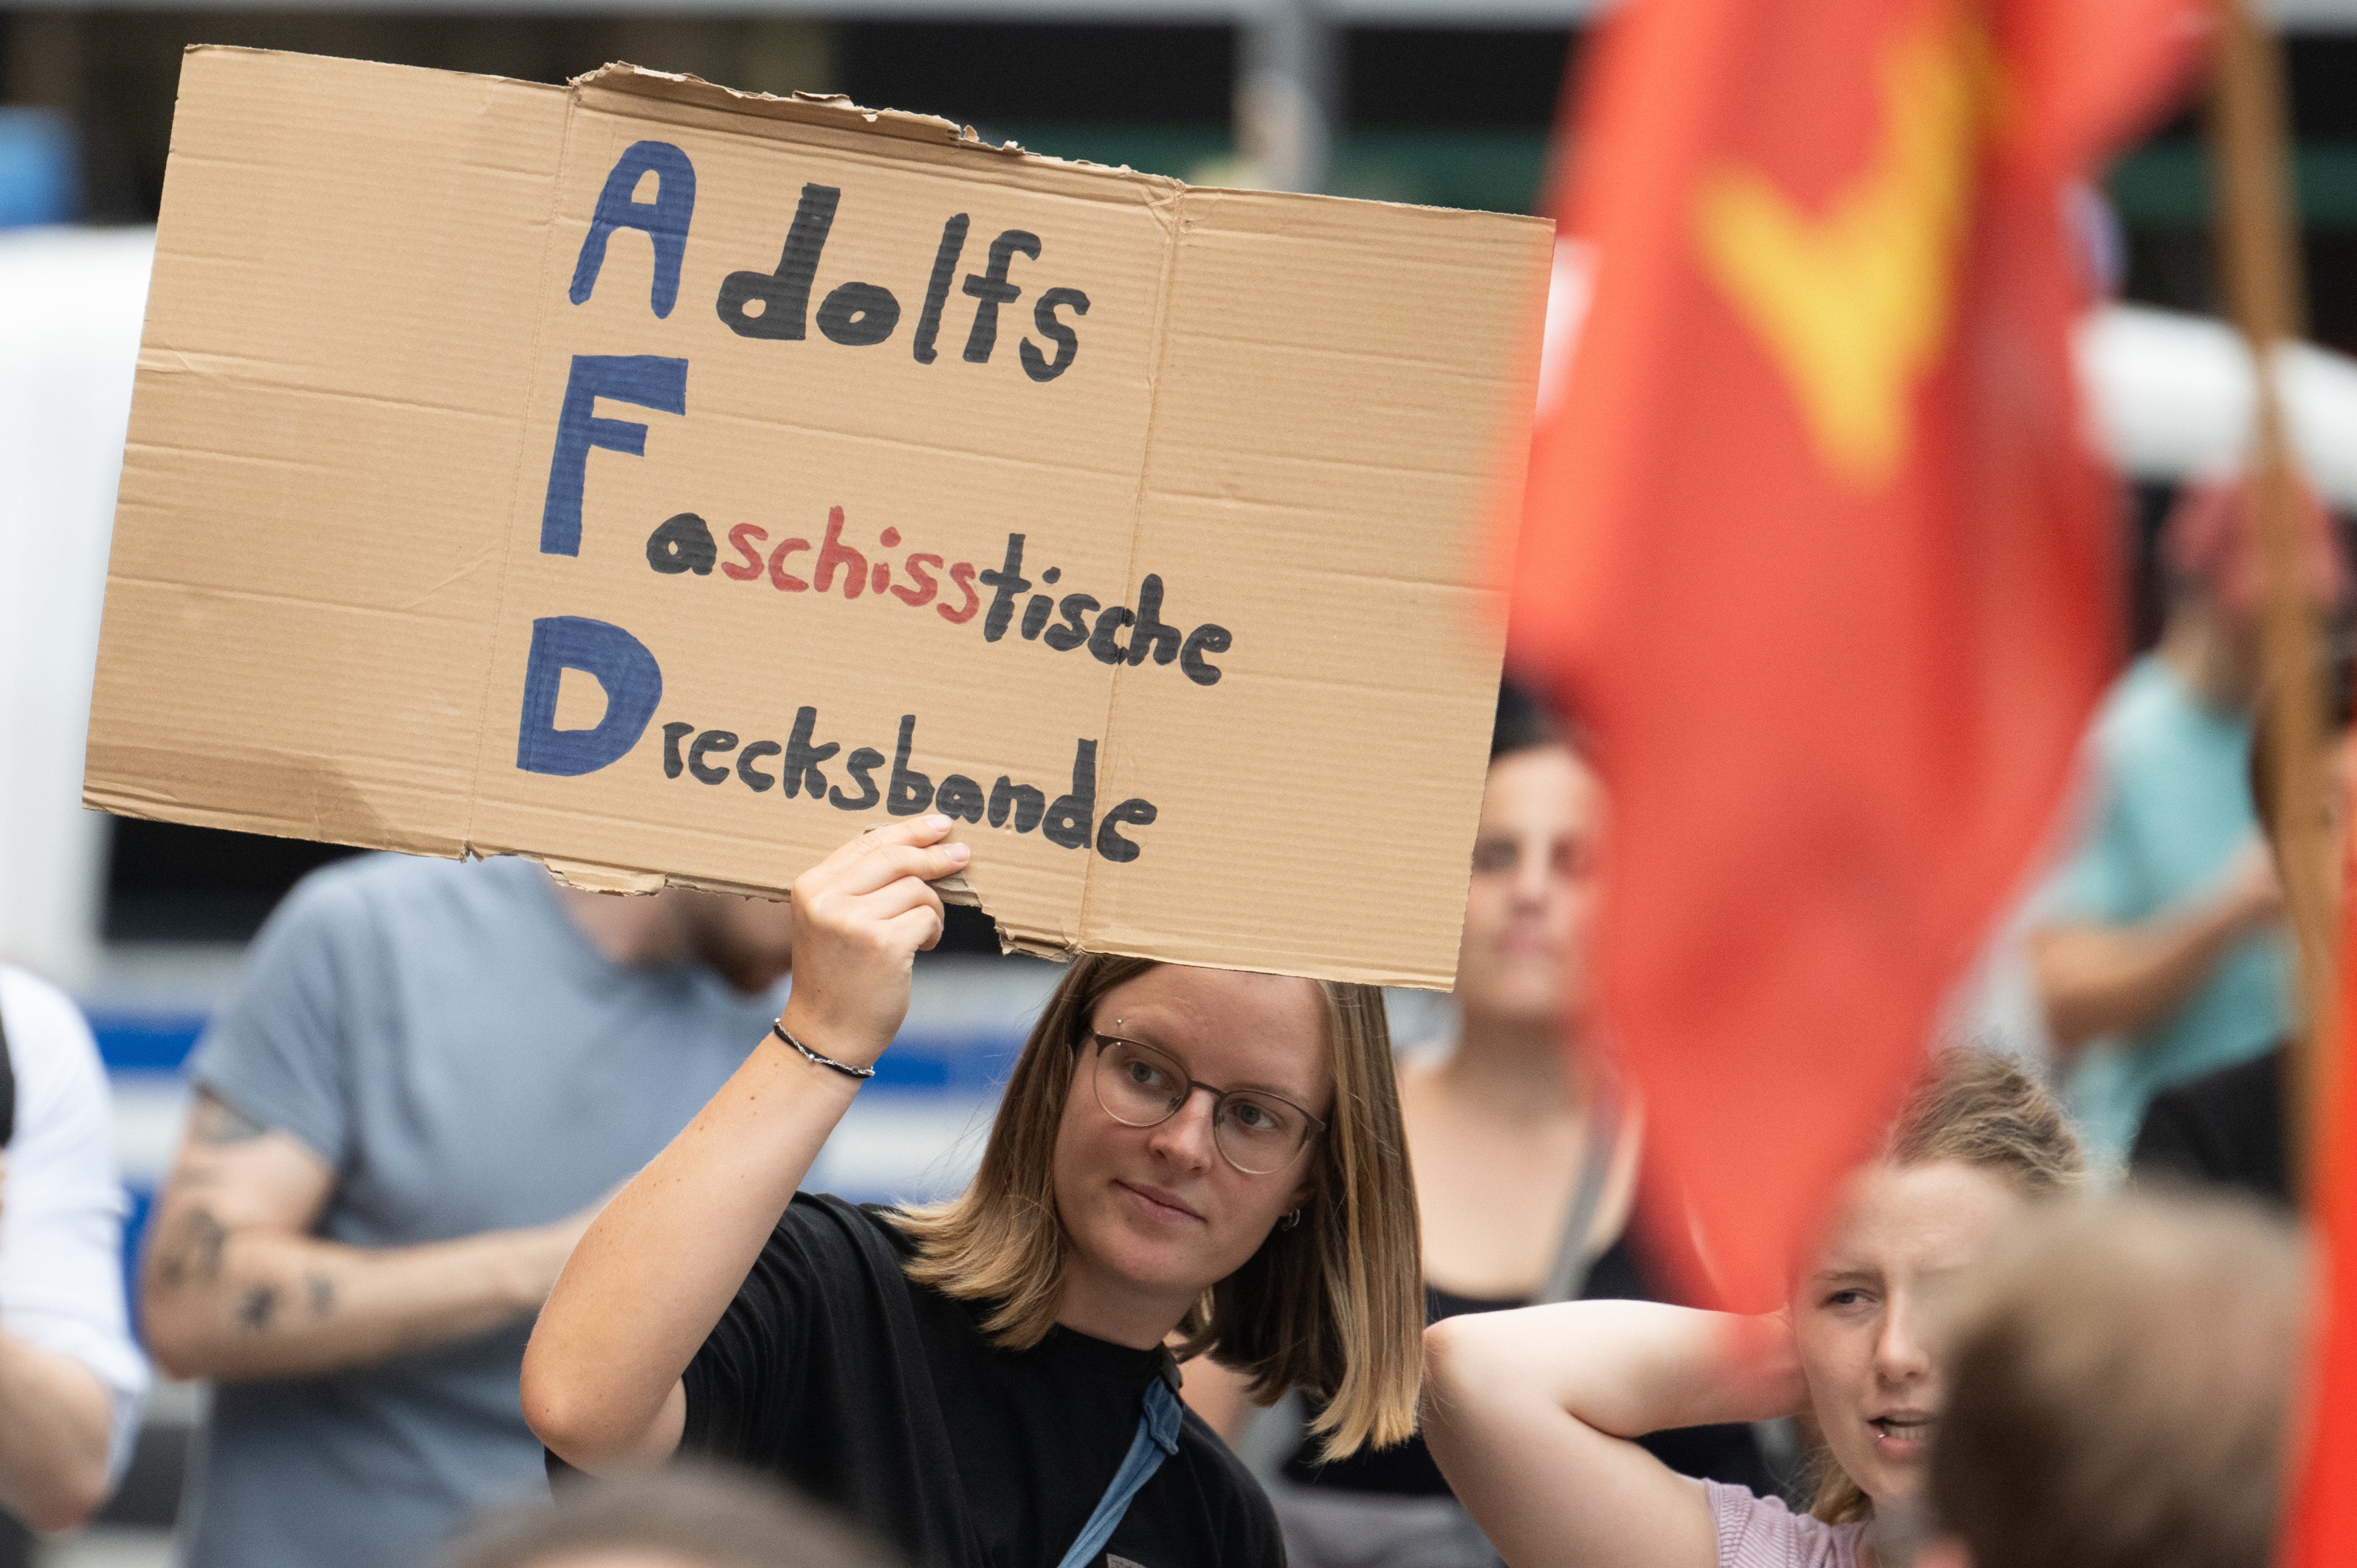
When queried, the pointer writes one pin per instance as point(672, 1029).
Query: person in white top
point(70, 1380)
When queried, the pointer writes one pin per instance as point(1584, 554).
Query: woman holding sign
point(1190, 1158)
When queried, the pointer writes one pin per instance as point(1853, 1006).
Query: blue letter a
point(664, 220)
point(619, 662)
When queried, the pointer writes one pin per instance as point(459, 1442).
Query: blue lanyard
point(1157, 1440)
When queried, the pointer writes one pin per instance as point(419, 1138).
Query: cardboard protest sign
point(669, 484)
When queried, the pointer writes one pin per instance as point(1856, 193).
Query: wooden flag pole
point(2259, 264)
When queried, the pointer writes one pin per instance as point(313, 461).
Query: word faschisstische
point(684, 543)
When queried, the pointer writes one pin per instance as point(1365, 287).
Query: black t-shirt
point(1727, 1453)
point(883, 1398)
point(2226, 1127)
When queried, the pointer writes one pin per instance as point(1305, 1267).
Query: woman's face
point(1534, 892)
point(1157, 1214)
point(1858, 1319)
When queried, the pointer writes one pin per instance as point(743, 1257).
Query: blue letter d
point(619, 662)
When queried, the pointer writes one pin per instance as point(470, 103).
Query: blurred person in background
point(1532, 1414)
point(682, 1517)
point(2227, 1127)
point(70, 1382)
point(429, 1075)
point(1525, 1164)
point(2122, 1376)
point(2159, 955)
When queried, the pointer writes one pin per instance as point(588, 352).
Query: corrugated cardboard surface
point(1292, 413)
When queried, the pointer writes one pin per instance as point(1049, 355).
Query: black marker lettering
point(859, 765)
point(1030, 804)
point(753, 778)
point(1109, 843)
point(1035, 615)
point(1204, 638)
point(1070, 818)
point(1003, 584)
point(1075, 631)
point(710, 741)
point(681, 543)
point(672, 735)
point(800, 768)
point(959, 797)
point(858, 314)
point(1038, 366)
point(1101, 647)
point(992, 289)
point(1151, 635)
point(937, 288)
point(910, 790)
point(784, 295)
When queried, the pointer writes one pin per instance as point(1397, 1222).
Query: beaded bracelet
point(845, 1069)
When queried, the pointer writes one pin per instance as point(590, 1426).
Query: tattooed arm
point(237, 1286)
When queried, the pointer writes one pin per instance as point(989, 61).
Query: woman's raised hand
point(861, 916)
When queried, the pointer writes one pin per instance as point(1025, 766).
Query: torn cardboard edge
point(830, 110)
point(588, 876)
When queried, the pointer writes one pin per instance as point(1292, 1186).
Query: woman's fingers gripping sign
point(861, 916)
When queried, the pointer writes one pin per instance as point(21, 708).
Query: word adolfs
point(776, 304)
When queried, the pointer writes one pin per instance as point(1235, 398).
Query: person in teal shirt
point(2162, 956)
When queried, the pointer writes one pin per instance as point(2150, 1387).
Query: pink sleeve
point(1762, 1532)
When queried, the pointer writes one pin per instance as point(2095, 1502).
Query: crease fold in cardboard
point(669, 483)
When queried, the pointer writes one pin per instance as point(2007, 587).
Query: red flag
point(1815, 546)
point(2323, 1527)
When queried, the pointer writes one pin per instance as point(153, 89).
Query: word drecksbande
point(1070, 820)
point(796, 767)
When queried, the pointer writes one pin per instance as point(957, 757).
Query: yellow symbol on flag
point(1854, 305)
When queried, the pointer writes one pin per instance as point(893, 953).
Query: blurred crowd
point(489, 1180)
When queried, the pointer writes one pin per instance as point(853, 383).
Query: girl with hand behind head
point(1197, 1158)
point(1532, 1414)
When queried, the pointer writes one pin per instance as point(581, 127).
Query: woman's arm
point(1531, 1415)
point(601, 1377)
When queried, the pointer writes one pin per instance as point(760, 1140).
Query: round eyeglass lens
point(1139, 1086)
point(1258, 1132)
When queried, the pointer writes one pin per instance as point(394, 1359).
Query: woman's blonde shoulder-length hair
point(1333, 1306)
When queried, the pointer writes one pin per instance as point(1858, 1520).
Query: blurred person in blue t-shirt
point(429, 1077)
point(2161, 955)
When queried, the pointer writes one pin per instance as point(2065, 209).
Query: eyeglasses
point(1141, 1086)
